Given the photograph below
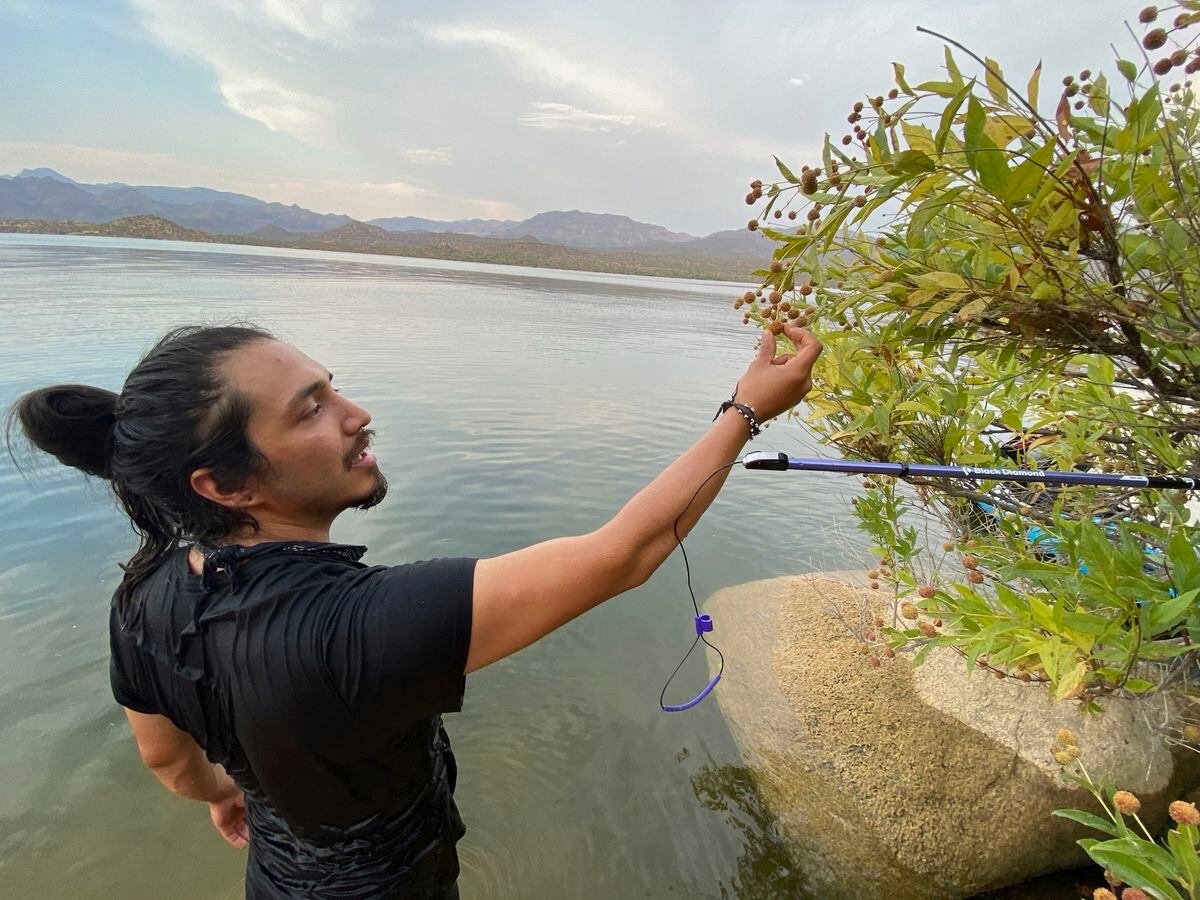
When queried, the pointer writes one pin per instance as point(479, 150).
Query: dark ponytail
point(71, 422)
point(175, 414)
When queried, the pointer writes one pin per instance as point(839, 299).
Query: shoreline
point(421, 245)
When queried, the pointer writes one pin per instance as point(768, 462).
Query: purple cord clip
point(704, 623)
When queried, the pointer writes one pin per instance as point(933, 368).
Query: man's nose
point(357, 418)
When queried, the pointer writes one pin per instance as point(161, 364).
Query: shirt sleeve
point(395, 639)
point(123, 668)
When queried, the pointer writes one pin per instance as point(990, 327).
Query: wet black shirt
point(318, 683)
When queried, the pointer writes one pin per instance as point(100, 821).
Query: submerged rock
point(923, 783)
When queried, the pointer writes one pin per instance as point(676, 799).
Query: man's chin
point(375, 497)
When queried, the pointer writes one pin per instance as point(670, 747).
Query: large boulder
point(891, 781)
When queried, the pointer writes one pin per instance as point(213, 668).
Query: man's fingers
point(766, 346)
point(808, 348)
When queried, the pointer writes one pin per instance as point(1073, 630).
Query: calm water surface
point(513, 405)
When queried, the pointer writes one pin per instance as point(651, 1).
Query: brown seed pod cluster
point(1155, 38)
point(1148, 15)
point(756, 192)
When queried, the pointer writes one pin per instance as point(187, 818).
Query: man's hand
point(229, 818)
point(774, 384)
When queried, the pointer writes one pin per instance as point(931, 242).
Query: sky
point(661, 111)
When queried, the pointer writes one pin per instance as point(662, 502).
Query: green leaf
point(1086, 818)
point(941, 88)
point(982, 155)
point(973, 136)
point(1128, 69)
point(1164, 615)
point(1183, 848)
point(925, 213)
point(1026, 176)
point(918, 137)
point(934, 281)
point(949, 113)
point(995, 81)
point(1132, 864)
point(900, 82)
point(1071, 683)
point(1032, 90)
point(786, 172)
point(952, 67)
point(1139, 686)
point(911, 162)
point(1184, 564)
point(1163, 649)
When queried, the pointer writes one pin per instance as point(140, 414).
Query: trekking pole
point(780, 462)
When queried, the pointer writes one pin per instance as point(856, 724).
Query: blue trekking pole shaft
point(780, 462)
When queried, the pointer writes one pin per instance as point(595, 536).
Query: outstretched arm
point(522, 596)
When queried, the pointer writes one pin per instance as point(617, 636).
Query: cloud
point(438, 156)
point(242, 54)
point(563, 117)
point(798, 81)
point(281, 109)
point(551, 67)
point(330, 21)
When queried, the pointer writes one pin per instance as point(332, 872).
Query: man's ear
point(204, 484)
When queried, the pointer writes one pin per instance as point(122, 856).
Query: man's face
point(314, 439)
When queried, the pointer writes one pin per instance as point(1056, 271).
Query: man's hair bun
point(73, 423)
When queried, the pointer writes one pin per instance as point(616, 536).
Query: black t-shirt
point(318, 683)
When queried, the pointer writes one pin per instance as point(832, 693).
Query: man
point(269, 673)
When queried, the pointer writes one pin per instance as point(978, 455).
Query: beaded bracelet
point(746, 411)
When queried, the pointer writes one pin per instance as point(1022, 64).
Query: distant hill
point(590, 230)
point(477, 227)
point(46, 194)
point(739, 241)
point(148, 227)
point(274, 232)
point(360, 237)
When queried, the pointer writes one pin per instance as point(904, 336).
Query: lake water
point(512, 405)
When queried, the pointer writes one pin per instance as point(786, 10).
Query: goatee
point(376, 496)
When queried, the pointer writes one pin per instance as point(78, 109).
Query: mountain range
point(43, 201)
point(44, 194)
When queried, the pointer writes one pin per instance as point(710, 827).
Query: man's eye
point(316, 409)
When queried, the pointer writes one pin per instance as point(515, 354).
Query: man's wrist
point(743, 411)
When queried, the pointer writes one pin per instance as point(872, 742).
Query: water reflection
point(765, 868)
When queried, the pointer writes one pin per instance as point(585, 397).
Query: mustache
point(364, 440)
